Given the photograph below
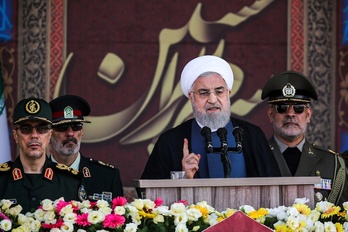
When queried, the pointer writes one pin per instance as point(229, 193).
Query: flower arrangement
point(146, 215)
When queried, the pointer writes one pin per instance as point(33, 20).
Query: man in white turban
point(198, 145)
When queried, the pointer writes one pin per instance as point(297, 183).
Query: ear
point(309, 114)
point(270, 114)
point(15, 135)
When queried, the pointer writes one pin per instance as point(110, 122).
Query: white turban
point(202, 64)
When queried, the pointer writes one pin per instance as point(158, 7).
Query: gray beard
point(214, 120)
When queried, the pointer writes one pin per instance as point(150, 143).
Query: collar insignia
point(289, 90)
point(86, 172)
point(49, 173)
point(32, 107)
point(68, 112)
point(17, 174)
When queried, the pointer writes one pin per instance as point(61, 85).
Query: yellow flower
point(258, 213)
point(302, 209)
point(281, 227)
point(331, 212)
point(339, 227)
point(204, 211)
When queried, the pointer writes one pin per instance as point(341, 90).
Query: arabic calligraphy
point(112, 66)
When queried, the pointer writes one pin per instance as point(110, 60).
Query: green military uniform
point(29, 190)
point(316, 161)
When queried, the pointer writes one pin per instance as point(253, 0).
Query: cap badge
point(68, 112)
point(32, 107)
point(289, 90)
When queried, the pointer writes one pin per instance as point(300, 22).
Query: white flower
point(95, 217)
point(81, 230)
point(105, 210)
point(177, 208)
point(120, 210)
point(47, 205)
point(130, 227)
point(314, 215)
point(66, 210)
point(318, 227)
point(293, 212)
point(85, 204)
point(193, 214)
point(50, 217)
point(102, 204)
point(205, 205)
point(138, 203)
point(323, 206)
point(6, 225)
point(181, 227)
point(301, 200)
point(293, 222)
point(5, 204)
point(14, 211)
point(22, 219)
point(329, 227)
point(148, 204)
point(70, 217)
point(180, 218)
point(67, 227)
point(35, 225)
point(247, 209)
point(55, 230)
point(158, 218)
point(39, 214)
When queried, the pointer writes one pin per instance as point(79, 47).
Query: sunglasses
point(28, 129)
point(282, 108)
point(64, 127)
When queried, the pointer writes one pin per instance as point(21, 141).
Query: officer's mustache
point(68, 140)
point(34, 142)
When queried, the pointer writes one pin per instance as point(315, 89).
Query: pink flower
point(2, 215)
point(58, 224)
point(113, 221)
point(182, 201)
point(119, 201)
point(61, 204)
point(82, 220)
point(158, 201)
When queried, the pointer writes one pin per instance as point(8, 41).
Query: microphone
point(222, 132)
point(206, 132)
point(238, 132)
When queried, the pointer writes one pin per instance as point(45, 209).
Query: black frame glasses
point(203, 93)
point(282, 108)
point(64, 127)
point(27, 129)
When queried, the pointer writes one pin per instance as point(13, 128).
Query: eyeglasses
point(28, 129)
point(64, 127)
point(282, 108)
point(205, 93)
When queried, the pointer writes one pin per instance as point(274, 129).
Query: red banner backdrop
point(125, 58)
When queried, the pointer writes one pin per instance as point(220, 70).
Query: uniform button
point(33, 198)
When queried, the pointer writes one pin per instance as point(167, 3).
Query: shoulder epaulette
point(327, 150)
point(101, 163)
point(5, 166)
point(66, 168)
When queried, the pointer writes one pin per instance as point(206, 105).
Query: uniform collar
point(282, 146)
point(75, 165)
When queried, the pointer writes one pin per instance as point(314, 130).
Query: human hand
point(189, 161)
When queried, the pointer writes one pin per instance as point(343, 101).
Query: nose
point(212, 97)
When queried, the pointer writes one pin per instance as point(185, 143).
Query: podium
point(222, 193)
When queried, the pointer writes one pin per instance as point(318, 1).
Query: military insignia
point(68, 112)
point(289, 90)
point(324, 184)
point(82, 193)
point(4, 167)
point(86, 172)
point(318, 196)
point(32, 107)
point(48, 173)
point(105, 164)
point(17, 174)
point(62, 166)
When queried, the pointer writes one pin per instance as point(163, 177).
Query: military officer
point(33, 177)
point(101, 180)
point(289, 96)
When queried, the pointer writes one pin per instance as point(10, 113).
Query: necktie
point(292, 157)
